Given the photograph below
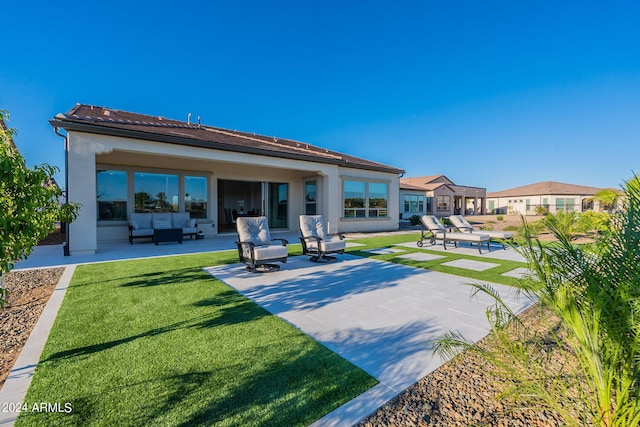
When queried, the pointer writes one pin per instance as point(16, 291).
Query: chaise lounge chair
point(256, 248)
point(316, 242)
point(439, 232)
point(461, 224)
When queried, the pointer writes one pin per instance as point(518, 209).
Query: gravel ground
point(464, 392)
point(28, 293)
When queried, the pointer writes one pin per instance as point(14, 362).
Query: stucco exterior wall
point(88, 152)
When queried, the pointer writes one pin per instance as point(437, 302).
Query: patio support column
point(82, 189)
point(332, 205)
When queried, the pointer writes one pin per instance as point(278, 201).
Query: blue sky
point(495, 94)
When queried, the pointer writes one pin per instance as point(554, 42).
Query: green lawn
point(494, 274)
point(161, 342)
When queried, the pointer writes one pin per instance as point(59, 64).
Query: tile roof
point(424, 183)
point(545, 188)
point(108, 121)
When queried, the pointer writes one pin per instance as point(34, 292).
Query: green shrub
point(415, 220)
point(500, 218)
point(592, 376)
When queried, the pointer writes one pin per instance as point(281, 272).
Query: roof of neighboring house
point(429, 183)
point(424, 183)
point(107, 121)
point(545, 188)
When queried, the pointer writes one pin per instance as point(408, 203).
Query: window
point(528, 204)
point(362, 199)
point(155, 192)
point(444, 203)
point(355, 194)
point(195, 196)
point(413, 203)
point(111, 195)
point(565, 204)
point(310, 198)
point(378, 198)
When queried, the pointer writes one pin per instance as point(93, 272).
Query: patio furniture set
point(434, 231)
point(260, 251)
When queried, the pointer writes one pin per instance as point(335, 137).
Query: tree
point(594, 291)
point(29, 207)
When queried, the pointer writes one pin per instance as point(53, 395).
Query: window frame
point(130, 173)
point(366, 212)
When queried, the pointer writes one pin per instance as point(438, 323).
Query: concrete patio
point(382, 317)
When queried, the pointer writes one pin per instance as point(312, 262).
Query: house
point(121, 162)
point(542, 197)
point(438, 195)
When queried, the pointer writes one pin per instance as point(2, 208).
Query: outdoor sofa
point(142, 225)
point(436, 231)
point(461, 224)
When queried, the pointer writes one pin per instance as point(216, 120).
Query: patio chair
point(437, 231)
point(256, 248)
point(461, 224)
point(316, 242)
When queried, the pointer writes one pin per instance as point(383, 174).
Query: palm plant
point(594, 291)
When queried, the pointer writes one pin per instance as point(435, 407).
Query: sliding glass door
point(277, 201)
point(251, 198)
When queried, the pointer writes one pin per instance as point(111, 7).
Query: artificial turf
point(161, 342)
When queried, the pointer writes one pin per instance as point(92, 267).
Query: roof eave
point(192, 142)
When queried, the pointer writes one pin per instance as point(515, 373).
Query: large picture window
point(413, 203)
point(195, 196)
point(362, 199)
point(111, 195)
point(155, 192)
point(444, 203)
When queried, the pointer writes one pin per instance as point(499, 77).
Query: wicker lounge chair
point(316, 242)
point(437, 231)
point(256, 248)
point(461, 224)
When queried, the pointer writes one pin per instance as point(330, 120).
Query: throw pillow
point(134, 225)
point(190, 223)
point(161, 223)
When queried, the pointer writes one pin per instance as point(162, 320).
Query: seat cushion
point(468, 237)
point(142, 220)
point(275, 251)
point(497, 234)
point(332, 245)
point(460, 223)
point(163, 216)
point(182, 220)
point(142, 232)
point(432, 223)
point(161, 223)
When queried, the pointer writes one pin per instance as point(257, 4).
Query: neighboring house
point(438, 195)
point(549, 196)
point(121, 162)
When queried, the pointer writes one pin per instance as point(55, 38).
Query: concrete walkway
point(382, 317)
